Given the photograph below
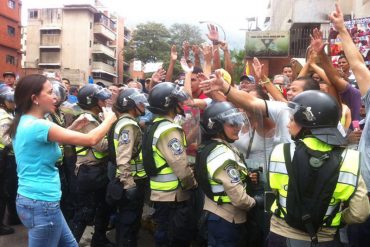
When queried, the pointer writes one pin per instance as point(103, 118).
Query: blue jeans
point(45, 222)
point(222, 233)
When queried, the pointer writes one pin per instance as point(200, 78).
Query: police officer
point(8, 175)
point(67, 161)
point(91, 171)
point(316, 179)
point(126, 136)
point(166, 164)
point(222, 175)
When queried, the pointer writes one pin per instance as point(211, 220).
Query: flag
point(247, 70)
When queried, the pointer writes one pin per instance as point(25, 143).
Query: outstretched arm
point(173, 59)
point(353, 55)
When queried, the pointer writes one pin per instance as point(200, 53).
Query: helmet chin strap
point(142, 113)
point(303, 132)
point(179, 110)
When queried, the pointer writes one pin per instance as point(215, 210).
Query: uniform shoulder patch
point(233, 174)
point(176, 146)
point(125, 137)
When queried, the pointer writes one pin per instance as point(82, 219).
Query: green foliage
point(185, 32)
point(237, 58)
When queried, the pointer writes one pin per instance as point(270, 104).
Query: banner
point(360, 33)
point(267, 44)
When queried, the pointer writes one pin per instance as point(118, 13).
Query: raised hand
point(224, 46)
point(173, 53)
point(186, 49)
point(211, 85)
point(185, 67)
point(213, 33)
point(207, 52)
point(257, 66)
point(337, 18)
point(195, 50)
point(159, 75)
point(317, 42)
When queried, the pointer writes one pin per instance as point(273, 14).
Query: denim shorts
point(45, 222)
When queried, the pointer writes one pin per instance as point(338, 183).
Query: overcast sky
point(230, 15)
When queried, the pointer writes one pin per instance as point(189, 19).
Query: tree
point(238, 59)
point(185, 32)
point(150, 43)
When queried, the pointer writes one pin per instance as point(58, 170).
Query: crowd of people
point(254, 162)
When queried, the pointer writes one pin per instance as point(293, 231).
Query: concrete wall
point(76, 40)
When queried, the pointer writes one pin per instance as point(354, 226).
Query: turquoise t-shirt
point(38, 178)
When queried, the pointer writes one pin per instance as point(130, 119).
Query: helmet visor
point(233, 117)
point(180, 94)
point(139, 98)
point(103, 93)
point(8, 95)
point(60, 92)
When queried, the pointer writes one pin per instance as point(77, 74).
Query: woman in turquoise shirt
point(35, 143)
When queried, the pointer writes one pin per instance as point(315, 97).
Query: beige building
point(78, 41)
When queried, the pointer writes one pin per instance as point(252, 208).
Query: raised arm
point(171, 65)
point(66, 136)
point(238, 97)
point(265, 81)
point(353, 55)
point(207, 55)
point(227, 58)
point(196, 52)
point(318, 45)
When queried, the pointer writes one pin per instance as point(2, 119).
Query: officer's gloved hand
point(260, 201)
point(131, 193)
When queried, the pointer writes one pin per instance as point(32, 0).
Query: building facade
point(10, 36)
point(76, 41)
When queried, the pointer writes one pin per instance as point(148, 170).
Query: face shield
point(139, 99)
point(180, 94)
point(103, 93)
point(7, 95)
point(60, 92)
point(232, 117)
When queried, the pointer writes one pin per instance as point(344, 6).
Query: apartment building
point(77, 41)
point(10, 36)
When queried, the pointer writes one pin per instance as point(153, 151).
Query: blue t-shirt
point(38, 178)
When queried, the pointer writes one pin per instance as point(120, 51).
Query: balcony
point(102, 30)
point(50, 41)
point(100, 67)
point(99, 48)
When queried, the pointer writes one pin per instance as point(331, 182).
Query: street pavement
point(19, 238)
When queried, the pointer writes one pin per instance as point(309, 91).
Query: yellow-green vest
point(83, 151)
point(165, 180)
point(137, 168)
point(345, 187)
point(4, 115)
point(216, 159)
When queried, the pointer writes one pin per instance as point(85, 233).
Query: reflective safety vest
point(4, 115)
point(83, 151)
point(165, 180)
point(344, 189)
point(216, 159)
point(137, 168)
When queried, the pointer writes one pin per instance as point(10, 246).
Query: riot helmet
point(130, 98)
point(219, 113)
point(6, 94)
point(320, 113)
point(60, 91)
point(166, 96)
point(90, 94)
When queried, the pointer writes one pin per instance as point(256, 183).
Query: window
point(11, 4)
point(33, 14)
point(89, 61)
point(11, 31)
point(90, 43)
point(10, 59)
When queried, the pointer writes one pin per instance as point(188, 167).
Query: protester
point(35, 144)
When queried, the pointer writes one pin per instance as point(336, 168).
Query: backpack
point(201, 172)
point(111, 148)
point(147, 148)
point(310, 189)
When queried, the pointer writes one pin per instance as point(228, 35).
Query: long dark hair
point(26, 87)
